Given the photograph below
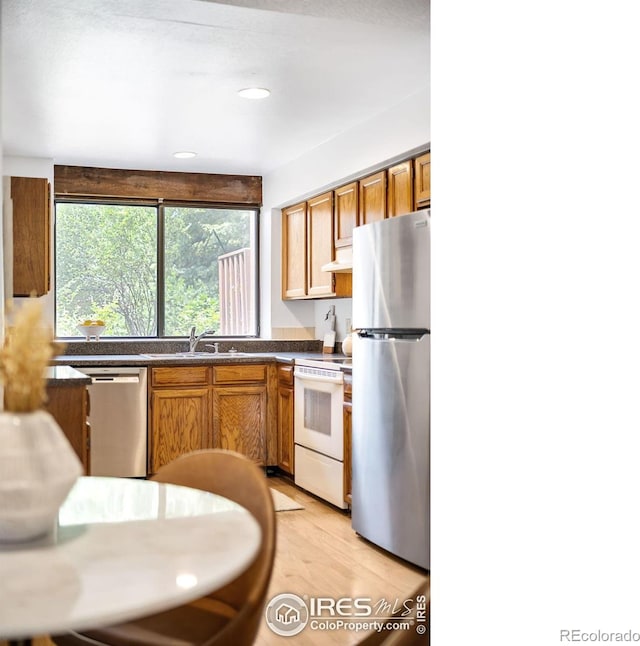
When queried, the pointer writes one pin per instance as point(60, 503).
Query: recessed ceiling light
point(185, 154)
point(254, 93)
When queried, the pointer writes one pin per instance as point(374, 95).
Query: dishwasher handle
point(115, 379)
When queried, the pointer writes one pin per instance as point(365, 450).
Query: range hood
point(343, 264)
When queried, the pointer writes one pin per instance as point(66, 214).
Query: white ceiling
point(125, 83)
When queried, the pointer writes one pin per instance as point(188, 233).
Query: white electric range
point(318, 427)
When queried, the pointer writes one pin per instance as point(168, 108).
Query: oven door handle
point(338, 379)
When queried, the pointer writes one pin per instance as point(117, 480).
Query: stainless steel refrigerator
point(391, 368)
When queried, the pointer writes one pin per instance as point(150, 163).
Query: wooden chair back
point(235, 477)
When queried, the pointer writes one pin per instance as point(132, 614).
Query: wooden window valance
point(85, 181)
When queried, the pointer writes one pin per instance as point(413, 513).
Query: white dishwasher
point(118, 421)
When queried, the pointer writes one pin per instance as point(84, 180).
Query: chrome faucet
point(194, 340)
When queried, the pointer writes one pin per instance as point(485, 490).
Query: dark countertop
point(130, 352)
point(62, 372)
point(66, 376)
point(133, 347)
point(87, 360)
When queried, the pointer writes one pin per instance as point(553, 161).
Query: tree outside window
point(150, 271)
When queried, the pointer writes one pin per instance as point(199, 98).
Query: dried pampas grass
point(28, 348)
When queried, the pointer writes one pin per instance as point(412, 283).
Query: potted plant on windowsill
point(38, 466)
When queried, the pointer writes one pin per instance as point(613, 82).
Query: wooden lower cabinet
point(239, 420)
point(179, 413)
point(240, 409)
point(346, 429)
point(69, 406)
point(180, 423)
point(285, 419)
point(217, 406)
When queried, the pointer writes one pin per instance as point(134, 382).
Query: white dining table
point(122, 548)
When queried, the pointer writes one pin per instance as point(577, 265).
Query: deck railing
point(237, 301)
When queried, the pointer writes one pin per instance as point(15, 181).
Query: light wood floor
point(318, 554)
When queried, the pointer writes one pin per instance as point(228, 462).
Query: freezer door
point(391, 273)
point(390, 445)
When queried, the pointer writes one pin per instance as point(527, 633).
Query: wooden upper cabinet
point(372, 198)
point(345, 214)
point(31, 235)
point(322, 227)
point(294, 251)
point(308, 245)
point(422, 191)
point(319, 244)
point(400, 189)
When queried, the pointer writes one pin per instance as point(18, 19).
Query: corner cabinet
point(31, 206)
point(285, 418)
point(307, 245)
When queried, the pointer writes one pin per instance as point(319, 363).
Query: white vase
point(347, 344)
point(38, 467)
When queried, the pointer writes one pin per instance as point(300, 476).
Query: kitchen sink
point(192, 355)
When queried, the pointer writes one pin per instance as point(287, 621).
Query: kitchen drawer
point(240, 374)
point(320, 475)
point(187, 376)
point(285, 375)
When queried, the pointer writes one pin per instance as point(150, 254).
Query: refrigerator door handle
point(388, 335)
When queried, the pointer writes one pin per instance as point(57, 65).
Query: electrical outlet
point(347, 325)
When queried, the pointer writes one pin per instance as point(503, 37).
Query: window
point(156, 270)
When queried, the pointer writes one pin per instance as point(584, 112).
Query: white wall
point(35, 167)
point(388, 136)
